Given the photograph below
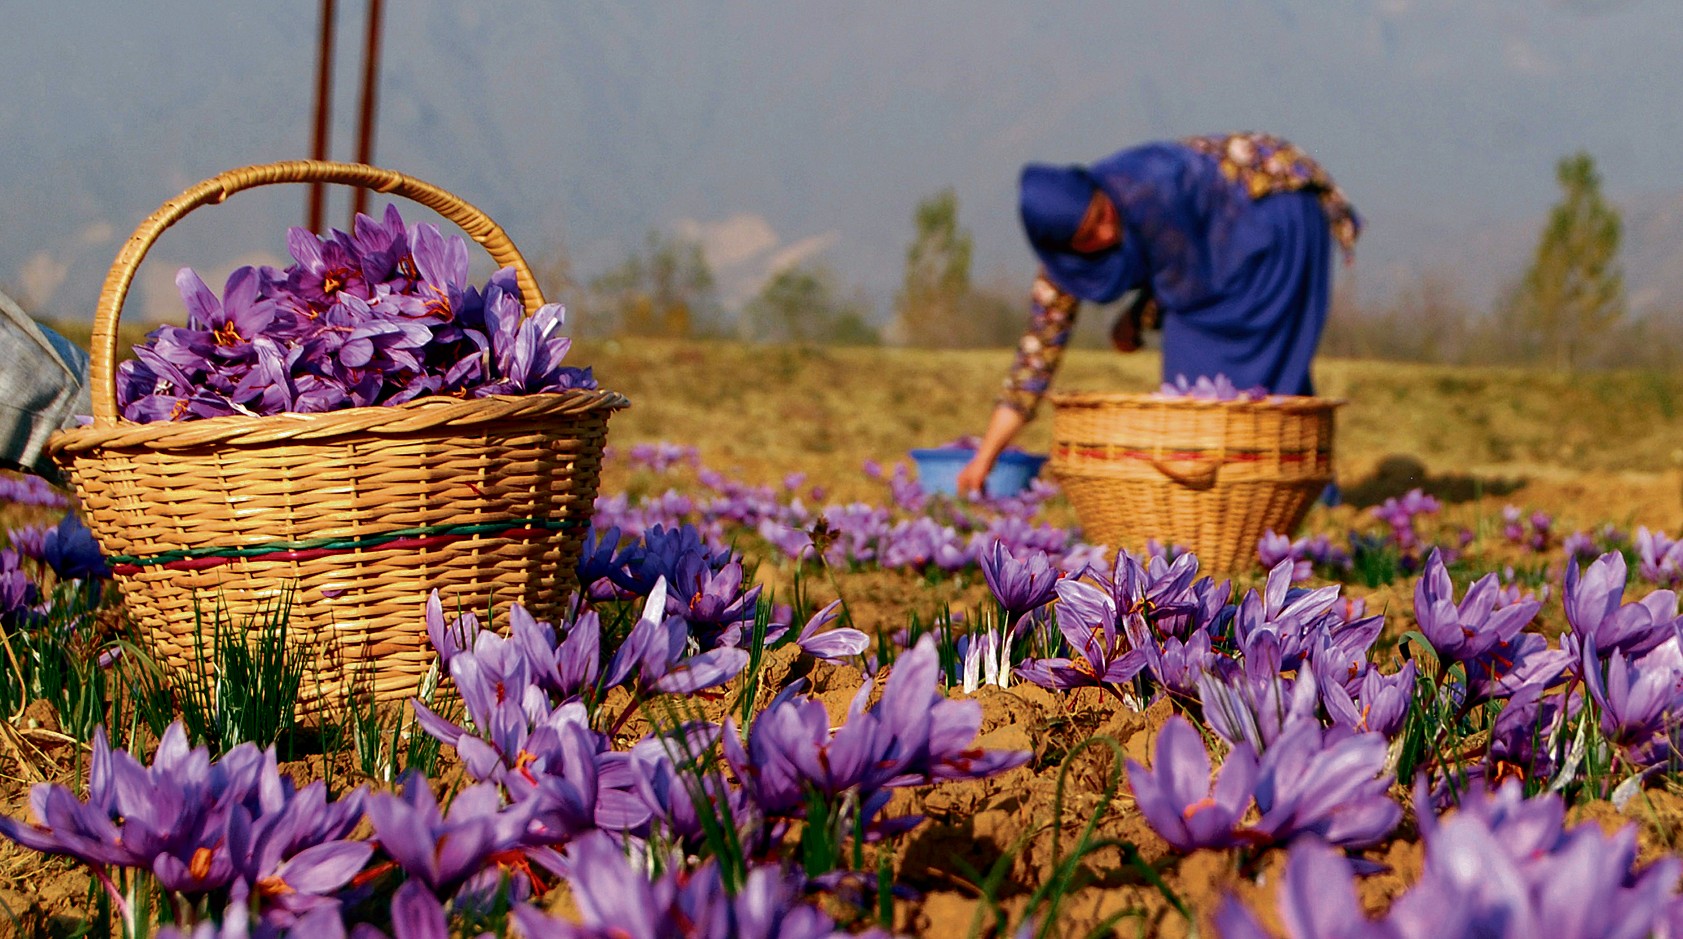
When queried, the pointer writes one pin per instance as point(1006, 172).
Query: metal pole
point(324, 108)
point(370, 88)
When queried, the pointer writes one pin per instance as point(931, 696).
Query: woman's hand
point(1002, 427)
point(974, 476)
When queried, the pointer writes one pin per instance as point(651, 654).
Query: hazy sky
point(784, 131)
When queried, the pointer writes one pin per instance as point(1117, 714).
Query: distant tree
point(801, 304)
point(665, 290)
point(929, 307)
point(1574, 290)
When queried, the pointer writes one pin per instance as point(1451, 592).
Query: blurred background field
point(1607, 442)
point(1592, 446)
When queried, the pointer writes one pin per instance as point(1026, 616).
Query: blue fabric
point(1242, 284)
point(1054, 200)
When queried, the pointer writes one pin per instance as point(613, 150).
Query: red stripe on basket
point(1099, 453)
point(310, 554)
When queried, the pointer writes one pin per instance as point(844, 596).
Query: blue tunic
point(1242, 283)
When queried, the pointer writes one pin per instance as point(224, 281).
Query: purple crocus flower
point(653, 654)
point(1522, 737)
point(1102, 652)
point(1309, 781)
point(1178, 665)
point(171, 818)
point(616, 901)
point(1461, 633)
point(1400, 513)
point(1593, 609)
point(565, 666)
point(1661, 558)
point(1507, 667)
point(1020, 586)
point(1531, 878)
point(1176, 797)
point(1317, 900)
point(1254, 704)
point(913, 736)
point(829, 645)
point(1639, 699)
point(445, 849)
point(1383, 702)
point(18, 593)
point(710, 602)
point(72, 553)
point(1294, 617)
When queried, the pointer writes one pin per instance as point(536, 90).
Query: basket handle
point(1202, 475)
point(102, 374)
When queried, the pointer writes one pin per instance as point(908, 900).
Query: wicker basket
point(356, 515)
point(1209, 475)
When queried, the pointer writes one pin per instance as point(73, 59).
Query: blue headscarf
point(1053, 201)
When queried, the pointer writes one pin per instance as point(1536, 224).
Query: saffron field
point(801, 697)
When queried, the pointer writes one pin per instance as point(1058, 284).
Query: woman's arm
point(1038, 353)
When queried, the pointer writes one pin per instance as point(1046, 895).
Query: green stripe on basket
point(347, 544)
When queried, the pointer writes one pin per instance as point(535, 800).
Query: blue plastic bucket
point(937, 470)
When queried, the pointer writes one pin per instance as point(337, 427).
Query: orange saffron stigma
point(199, 867)
point(1207, 802)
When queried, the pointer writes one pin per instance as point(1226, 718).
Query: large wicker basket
point(355, 515)
point(1211, 476)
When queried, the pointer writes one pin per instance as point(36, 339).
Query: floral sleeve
point(1052, 316)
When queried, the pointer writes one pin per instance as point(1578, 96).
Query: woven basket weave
point(356, 514)
point(1209, 475)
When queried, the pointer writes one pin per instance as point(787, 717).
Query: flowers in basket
point(380, 316)
point(1219, 388)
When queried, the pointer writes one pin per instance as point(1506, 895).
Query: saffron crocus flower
point(1102, 653)
point(711, 602)
point(170, 818)
point(1581, 886)
point(1333, 788)
point(72, 553)
point(601, 556)
point(1594, 611)
point(565, 666)
point(1522, 739)
point(1020, 586)
point(17, 591)
point(1400, 513)
point(1661, 558)
point(913, 736)
point(1381, 705)
point(445, 849)
point(829, 645)
point(1178, 665)
point(1176, 797)
point(1462, 632)
point(1638, 700)
point(616, 901)
point(1317, 900)
point(653, 655)
point(1294, 617)
point(679, 788)
point(1507, 667)
point(1252, 705)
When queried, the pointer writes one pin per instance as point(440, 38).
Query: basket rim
point(1143, 400)
point(431, 413)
